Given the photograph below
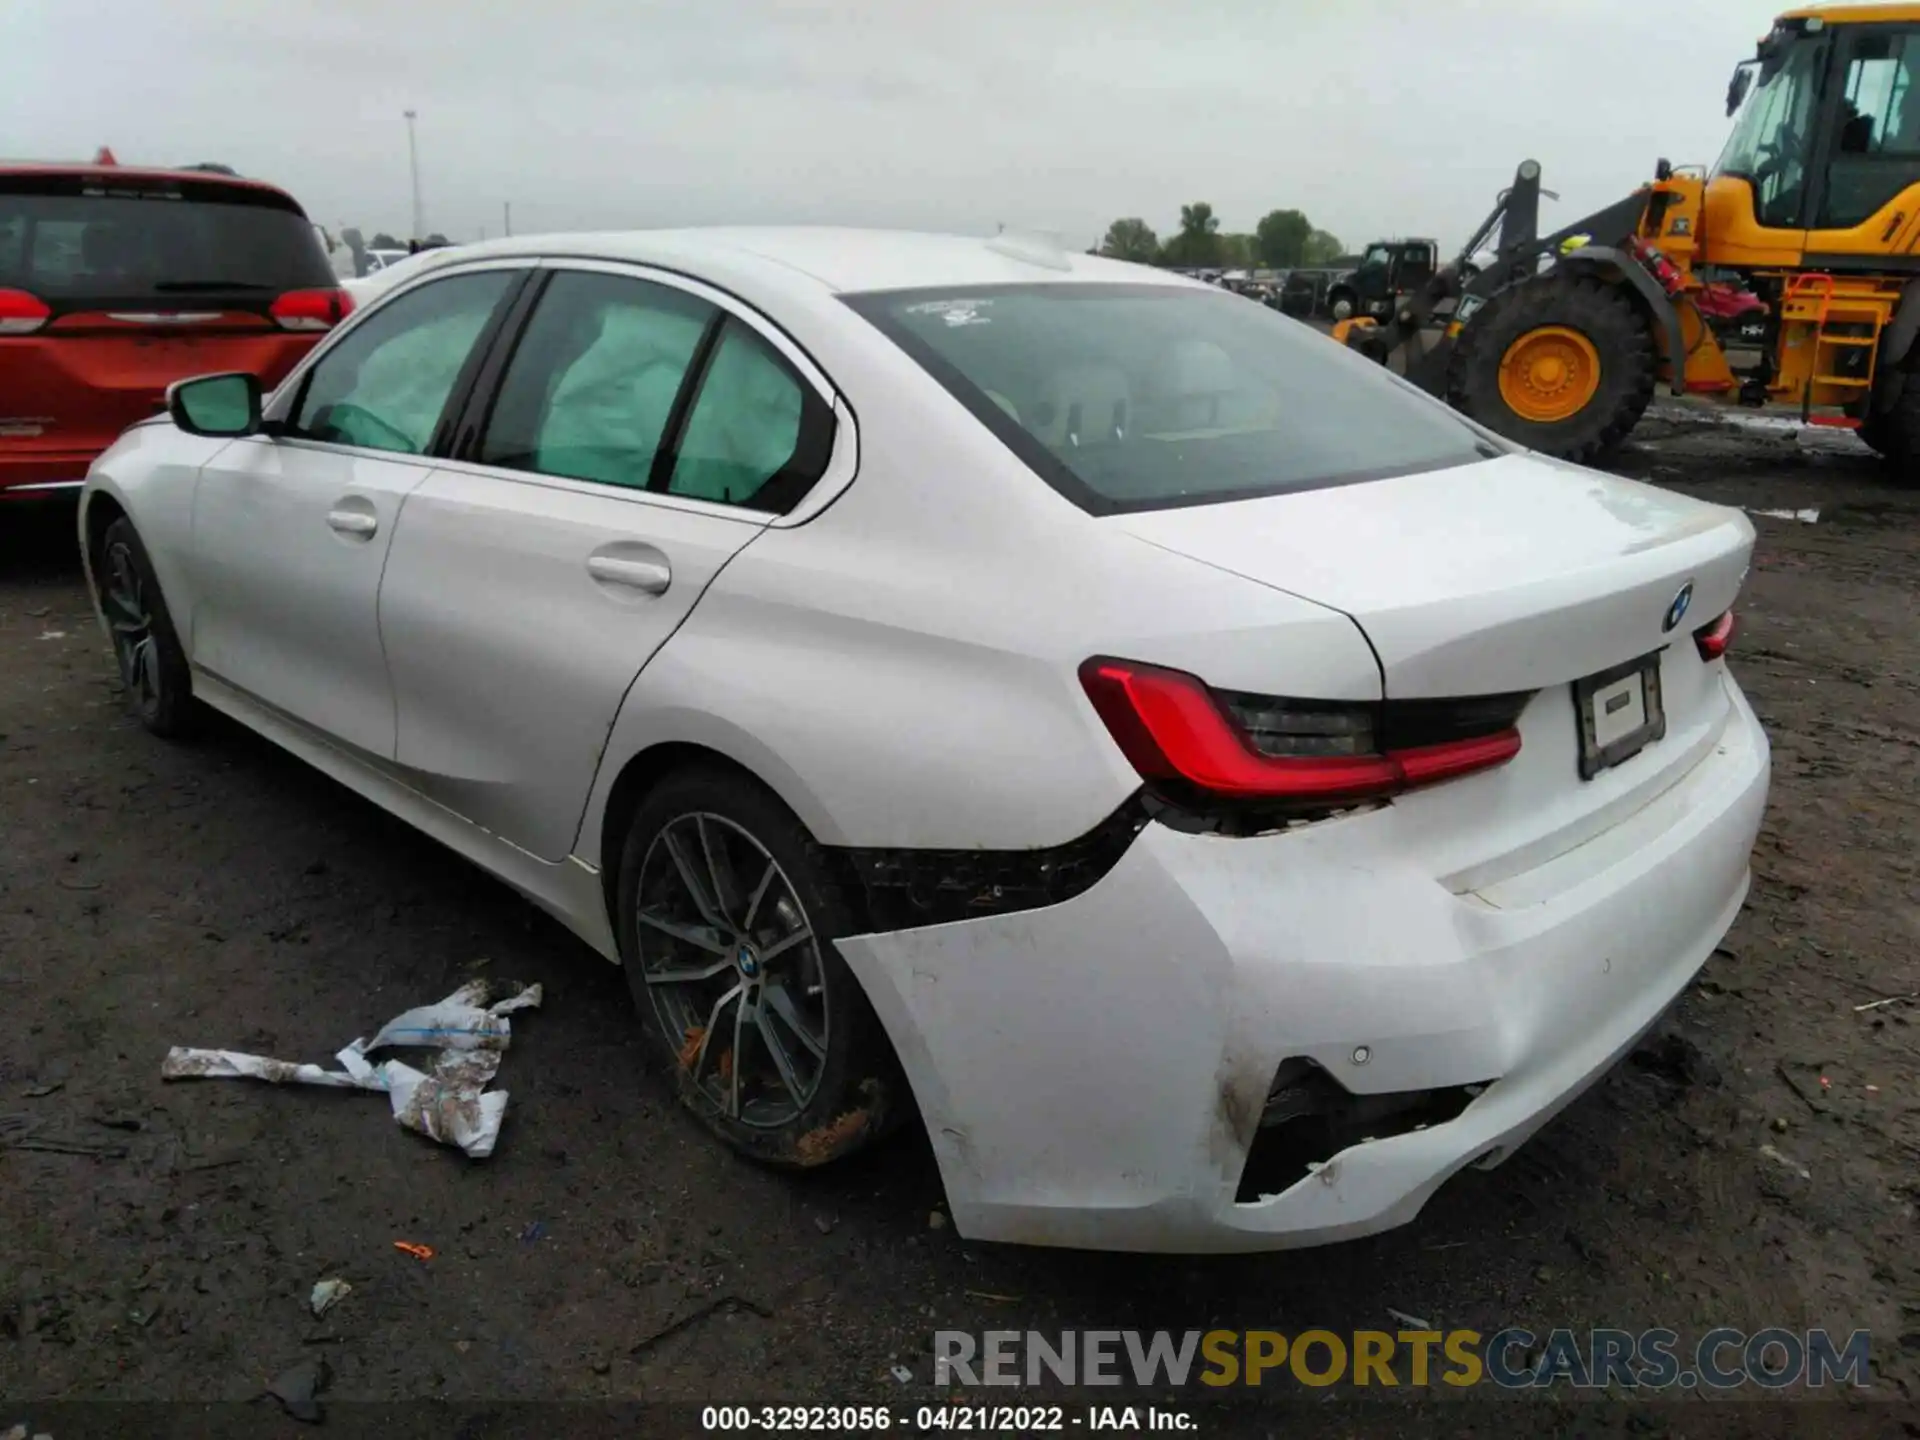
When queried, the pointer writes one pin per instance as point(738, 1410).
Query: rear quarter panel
point(902, 668)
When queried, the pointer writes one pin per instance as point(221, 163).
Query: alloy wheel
point(130, 621)
point(732, 965)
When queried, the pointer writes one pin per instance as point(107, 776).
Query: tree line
point(1283, 240)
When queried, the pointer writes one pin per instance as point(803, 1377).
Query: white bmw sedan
point(1221, 791)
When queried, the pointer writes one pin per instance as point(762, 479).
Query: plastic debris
point(297, 1390)
point(903, 1374)
point(1411, 1322)
point(419, 1252)
point(1890, 1000)
point(448, 1103)
point(327, 1294)
point(1786, 1162)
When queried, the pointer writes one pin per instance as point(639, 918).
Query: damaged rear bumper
point(1094, 1074)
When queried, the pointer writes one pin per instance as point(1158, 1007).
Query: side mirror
point(217, 406)
point(1738, 86)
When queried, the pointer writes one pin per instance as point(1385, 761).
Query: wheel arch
point(604, 828)
point(98, 510)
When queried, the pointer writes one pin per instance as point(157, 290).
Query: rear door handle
point(651, 576)
point(353, 522)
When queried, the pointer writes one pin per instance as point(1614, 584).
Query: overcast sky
point(1373, 116)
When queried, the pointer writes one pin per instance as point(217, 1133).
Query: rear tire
point(153, 664)
point(1590, 308)
point(1894, 431)
point(781, 1057)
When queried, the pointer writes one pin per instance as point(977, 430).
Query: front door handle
point(651, 576)
point(353, 522)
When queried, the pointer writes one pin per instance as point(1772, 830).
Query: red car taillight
point(311, 309)
point(1712, 640)
point(21, 313)
point(1174, 730)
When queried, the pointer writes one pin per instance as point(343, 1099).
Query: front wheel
point(727, 921)
point(153, 665)
point(1564, 364)
point(1341, 306)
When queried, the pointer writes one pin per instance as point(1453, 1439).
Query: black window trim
point(818, 422)
point(869, 306)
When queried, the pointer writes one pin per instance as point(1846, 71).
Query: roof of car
point(138, 172)
point(842, 260)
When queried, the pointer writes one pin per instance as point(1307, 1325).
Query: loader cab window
point(1773, 137)
point(1876, 143)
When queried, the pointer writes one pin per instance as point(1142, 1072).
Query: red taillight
point(21, 313)
point(311, 309)
point(1172, 728)
point(1713, 640)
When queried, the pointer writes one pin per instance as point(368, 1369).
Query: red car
point(115, 282)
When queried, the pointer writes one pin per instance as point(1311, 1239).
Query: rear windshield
point(1144, 397)
point(83, 238)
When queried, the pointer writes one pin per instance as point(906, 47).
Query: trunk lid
point(1518, 573)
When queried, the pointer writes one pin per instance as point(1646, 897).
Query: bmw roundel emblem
point(749, 963)
point(1677, 611)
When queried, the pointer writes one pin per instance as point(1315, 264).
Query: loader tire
point(1563, 364)
point(1894, 431)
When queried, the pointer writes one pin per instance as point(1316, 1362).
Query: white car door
point(291, 528)
point(639, 433)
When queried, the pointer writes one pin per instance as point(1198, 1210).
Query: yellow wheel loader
point(1810, 220)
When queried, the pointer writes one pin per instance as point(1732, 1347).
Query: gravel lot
point(221, 894)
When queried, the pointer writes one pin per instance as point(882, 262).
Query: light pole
point(413, 165)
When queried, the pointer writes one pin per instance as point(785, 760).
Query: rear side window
point(748, 427)
point(621, 381)
point(77, 240)
point(1140, 397)
point(591, 388)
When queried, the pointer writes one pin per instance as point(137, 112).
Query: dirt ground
point(1756, 1164)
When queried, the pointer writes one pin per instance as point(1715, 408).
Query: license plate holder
point(1619, 712)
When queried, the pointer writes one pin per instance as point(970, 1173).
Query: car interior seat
point(1082, 405)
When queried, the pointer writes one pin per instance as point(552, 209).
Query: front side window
point(590, 392)
point(1774, 132)
point(385, 384)
point(1139, 397)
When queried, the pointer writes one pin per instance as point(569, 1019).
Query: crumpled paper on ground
point(449, 1102)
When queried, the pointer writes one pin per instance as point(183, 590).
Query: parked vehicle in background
point(1388, 270)
point(115, 282)
point(382, 278)
point(378, 260)
point(1262, 795)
